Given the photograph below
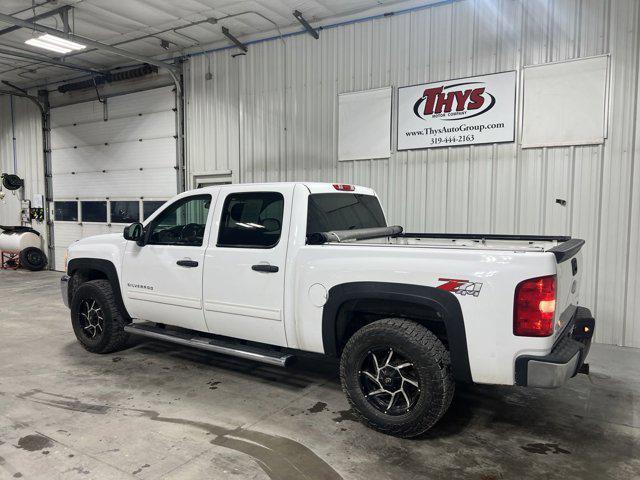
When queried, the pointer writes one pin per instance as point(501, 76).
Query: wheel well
point(84, 270)
point(355, 314)
point(83, 275)
point(352, 305)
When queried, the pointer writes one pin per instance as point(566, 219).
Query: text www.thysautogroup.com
point(457, 129)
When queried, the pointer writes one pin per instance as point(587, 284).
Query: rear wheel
point(397, 377)
point(95, 318)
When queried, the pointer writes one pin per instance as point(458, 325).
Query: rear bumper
point(566, 357)
point(64, 289)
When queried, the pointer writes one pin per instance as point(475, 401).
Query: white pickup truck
point(271, 271)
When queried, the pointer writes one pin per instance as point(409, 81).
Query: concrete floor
point(161, 411)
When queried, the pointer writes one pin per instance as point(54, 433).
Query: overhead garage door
point(112, 164)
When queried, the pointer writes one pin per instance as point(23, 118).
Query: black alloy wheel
point(91, 319)
point(389, 381)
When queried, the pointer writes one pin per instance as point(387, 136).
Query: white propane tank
point(18, 241)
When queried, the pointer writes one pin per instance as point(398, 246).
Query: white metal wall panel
point(144, 102)
point(145, 168)
point(632, 328)
point(272, 115)
point(617, 173)
point(213, 115)
point(65, 233)
point(78, 113)
point(129, 156)
point(125, 129)
point(152, 182)
point(29, 157)
point(157, 152)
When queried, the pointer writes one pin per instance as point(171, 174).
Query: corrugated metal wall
point(29, 156)
point(272, 115)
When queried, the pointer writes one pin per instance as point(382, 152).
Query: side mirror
point(134, 232)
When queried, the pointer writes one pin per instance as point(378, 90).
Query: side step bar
point(270, 357)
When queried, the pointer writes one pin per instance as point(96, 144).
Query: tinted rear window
point(251, 220)
point(343, 211)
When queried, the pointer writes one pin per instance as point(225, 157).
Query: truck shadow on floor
point(490, 408)
point(166, 357)
point(304, 371)
point(281, 458)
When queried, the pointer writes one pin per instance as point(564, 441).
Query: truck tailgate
point(568, 280)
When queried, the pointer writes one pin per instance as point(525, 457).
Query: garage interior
point(165, 97)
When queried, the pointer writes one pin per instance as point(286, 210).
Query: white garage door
point(112, 165)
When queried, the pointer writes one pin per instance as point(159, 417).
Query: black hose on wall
point(11, 182)
point(145, 69)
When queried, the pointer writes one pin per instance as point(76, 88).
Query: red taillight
point(534, 307)
point(344, 187)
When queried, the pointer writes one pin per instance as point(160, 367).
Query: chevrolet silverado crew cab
point(268, 272)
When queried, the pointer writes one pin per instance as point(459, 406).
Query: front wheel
point(397, 377)
point(96, 320)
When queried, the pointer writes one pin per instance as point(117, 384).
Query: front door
point(162, 280)
point(245, 264)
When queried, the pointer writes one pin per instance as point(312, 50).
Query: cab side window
point(181, 223)
point(251, 220)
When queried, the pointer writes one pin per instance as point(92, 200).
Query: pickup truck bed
point(485, 241)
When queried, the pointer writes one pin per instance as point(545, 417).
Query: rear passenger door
point(243, 283)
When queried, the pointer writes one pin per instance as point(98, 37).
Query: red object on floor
point(10, 260)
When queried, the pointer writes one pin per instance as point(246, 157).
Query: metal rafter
point(51, 61)
point(63, 11)
point(87, 41)
point(236, 42)
point(303, 21)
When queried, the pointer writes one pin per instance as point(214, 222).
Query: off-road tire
point(431, 365)
point(113, 337)
point(33, 259)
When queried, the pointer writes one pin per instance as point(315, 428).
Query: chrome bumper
point(551, 375)
point(64, 289)
point(565, 359)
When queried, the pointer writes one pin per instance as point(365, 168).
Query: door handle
point(264, 267)
point(187, 263)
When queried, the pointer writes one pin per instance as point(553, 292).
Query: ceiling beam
point(51, 61)
point(8, 83)
point(63, 11)
point(30, 97)
point(303, 21)
point(87, 41)
point(231, 36)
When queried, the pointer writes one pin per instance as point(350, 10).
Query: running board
point(271, 357)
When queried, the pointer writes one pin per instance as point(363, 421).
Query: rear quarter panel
point(488, 317)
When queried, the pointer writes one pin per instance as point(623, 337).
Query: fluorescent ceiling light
point(63, 42)
point(55, 44)
point(47, 46)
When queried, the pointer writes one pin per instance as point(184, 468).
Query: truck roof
point(313, 187)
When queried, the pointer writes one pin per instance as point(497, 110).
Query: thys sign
point(463, 111)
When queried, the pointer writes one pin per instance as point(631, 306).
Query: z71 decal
point(460, 287)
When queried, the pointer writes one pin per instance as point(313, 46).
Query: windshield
point(343, 211)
